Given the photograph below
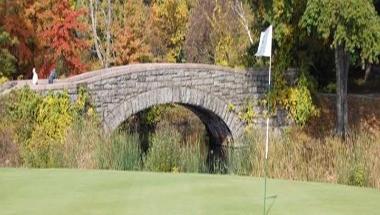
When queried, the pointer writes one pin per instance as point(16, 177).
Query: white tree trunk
point(108, 33)
point(99, 52)
point(238, 8)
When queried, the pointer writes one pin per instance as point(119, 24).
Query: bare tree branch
point(94, 32)
point(108, 33)
point(238, 8)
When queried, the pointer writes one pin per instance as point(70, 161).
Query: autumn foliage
point(63, 44)
point(13, 21)
point(47, 34)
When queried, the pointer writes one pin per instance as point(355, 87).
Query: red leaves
point(13, 21)
point(62, 39)
point(48, 32)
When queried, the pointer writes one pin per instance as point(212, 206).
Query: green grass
point(52, 191)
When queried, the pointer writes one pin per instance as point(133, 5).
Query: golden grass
point(297, 156)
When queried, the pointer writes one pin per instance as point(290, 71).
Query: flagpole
point(267, 137)
point(265, 50)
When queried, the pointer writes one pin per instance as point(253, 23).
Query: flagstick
point(267, 138)
point(265, 50)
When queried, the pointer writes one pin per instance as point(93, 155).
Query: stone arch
point(223, 126)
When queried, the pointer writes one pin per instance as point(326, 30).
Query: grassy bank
point(41, 191)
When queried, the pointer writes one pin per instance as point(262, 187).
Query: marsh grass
point(293, 154)
point(296, 156)
point(167, 154)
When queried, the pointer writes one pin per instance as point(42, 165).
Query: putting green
point(69, 192)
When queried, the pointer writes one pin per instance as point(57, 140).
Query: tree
point(101, 26)
point(218, 32)
point(351, 26)
point(63, 46)
point(168, 26)
point(130, 43)
point(14, 22)
point(7, 60)
point(198, 46)
point(238, 8)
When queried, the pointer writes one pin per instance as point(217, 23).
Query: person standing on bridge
point(35, 77)
point(52, 76)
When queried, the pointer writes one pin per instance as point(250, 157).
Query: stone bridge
point(119, 92)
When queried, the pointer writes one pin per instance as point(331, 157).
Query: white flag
point(265, 46)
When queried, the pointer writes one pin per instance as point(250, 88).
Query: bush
point(22, 109)
point(297, 99)
point(54, 117)
point(300, 103)
point(3, 80)
point(167, 154)
point(120, 152)
point(42, 123)
point(164, 152)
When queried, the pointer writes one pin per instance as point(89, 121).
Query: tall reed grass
point(292, 154)
point(167, 154)
point(296, 156)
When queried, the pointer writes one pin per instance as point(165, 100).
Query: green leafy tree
point(351, 26)
point(7, 60)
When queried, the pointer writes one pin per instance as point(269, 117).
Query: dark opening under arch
point(222, 125)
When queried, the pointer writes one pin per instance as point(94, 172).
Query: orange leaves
point(63, 43)
point(129, 48)
point(130, 43)
point(13, 21)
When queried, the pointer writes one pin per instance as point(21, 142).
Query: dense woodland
point(321, 38)
point(333, 44)
point(81, 35)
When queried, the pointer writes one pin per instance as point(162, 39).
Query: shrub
point(164, 152)
point(300, 105)
point(42, 123)
point(120, 152)
point(22, 108)
point(168, 154)
point(54, 117)
point(3, 80)
point(297, 99)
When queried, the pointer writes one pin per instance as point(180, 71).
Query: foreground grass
point(42, 191)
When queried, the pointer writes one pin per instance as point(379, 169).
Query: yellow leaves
point(54, 116)
point(248, 113)
point(300, 104)
point(223, 50)
point(3, 80)
point(169, 20)
point(278, 8)
point(297, 100)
